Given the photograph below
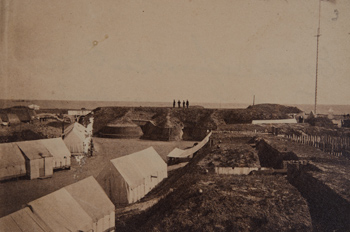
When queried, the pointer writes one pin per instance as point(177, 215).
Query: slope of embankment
point(202, 200)
point(193, 120)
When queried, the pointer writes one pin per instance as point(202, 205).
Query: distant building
point(34, 107)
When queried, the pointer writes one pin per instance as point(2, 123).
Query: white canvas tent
point(176, 153)
point(38, 159)
point(12, 162)
point(61, 212)
point(129, 178)
point(59, 151)
point(21, 221)
point(76, 139)
point(91, 197)
point(34, 107)
point(179, 153)
point(275, 121)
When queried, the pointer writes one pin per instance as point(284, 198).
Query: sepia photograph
point(167, 116)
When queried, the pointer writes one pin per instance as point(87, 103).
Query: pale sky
point(159, 50)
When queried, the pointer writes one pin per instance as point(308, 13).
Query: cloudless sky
point(159, 50)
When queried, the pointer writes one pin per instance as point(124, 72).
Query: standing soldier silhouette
point(174, 103)
point(187, 103)
point(179, 103)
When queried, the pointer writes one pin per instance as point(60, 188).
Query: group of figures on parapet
point(184, 104)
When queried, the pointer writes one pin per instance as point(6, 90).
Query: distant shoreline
point(63, 104)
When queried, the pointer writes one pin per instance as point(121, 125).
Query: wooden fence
point(333, 145)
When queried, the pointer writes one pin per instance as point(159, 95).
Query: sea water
point(61, 104)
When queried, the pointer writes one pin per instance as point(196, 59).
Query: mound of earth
point(104, 115)
point(205, 201)
point(259, 112)
point(222, 203)
point(21, 136)
point(57, 124)
point(23, 113)
point(275, 108)
point(193, 117)
point(195, 121)
point(230, 150)
point(229, 155)
point(320, 122)
point(31, 131)
point(121, 128)
point(198, 122)
point(163, 127)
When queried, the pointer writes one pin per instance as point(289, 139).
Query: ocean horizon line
point(89, 104)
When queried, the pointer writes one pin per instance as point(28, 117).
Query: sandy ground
point(15, 194)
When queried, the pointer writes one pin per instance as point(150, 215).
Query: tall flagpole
point(318, 40)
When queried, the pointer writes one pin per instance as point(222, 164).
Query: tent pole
point(318, 41)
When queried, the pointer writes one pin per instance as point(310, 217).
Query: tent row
point(36, 158)
point(82, 206)
point(129, 178)
point(188, 153)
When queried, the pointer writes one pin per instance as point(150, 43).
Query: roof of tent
point(139, 165)
point(56, 147)
point(61, 212)
point(10, 155)
point(274, 121)
point(78, 129)
point(176, 153)
point(22, 220)
point(179, 153)
point(91, 197)
point(33, 149)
